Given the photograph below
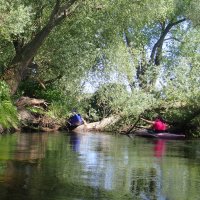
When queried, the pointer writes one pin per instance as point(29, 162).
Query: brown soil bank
point(38, 121)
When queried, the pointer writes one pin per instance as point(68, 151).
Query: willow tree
point(27, 24)
point(153, 40)
point(44, 17)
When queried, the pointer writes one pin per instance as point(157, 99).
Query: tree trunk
point(155, 57)
point(14, 74)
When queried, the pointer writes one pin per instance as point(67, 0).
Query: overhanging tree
point(25, 53)
point(109, 20)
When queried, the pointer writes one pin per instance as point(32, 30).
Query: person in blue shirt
point(76, 119)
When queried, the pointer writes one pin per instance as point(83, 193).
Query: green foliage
point(50, 94)
point(4, 92)
point(59, 99)
point(114, 39)
point(33, 88)
point(70, 50)
point(8, 112)
point(8, 115)
point(58, 112)
point(139, 102)
point(6, 54)
point(109, 99)
point(29, 88)
point(193, 11)
point(15, 18)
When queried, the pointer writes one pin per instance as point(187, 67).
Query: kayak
point(161, 135)
point(165, 135)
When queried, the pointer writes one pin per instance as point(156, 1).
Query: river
point(64, 166)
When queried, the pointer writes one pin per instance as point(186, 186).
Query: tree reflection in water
point(45, 167)
point(96, 166)
point(29, 150)
point(147, 181)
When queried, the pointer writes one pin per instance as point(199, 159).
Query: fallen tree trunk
point(97, 126)
point(26, 101)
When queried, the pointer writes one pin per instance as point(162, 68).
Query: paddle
point(133, 126)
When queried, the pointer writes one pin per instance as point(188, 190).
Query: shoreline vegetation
point(31, 120)
point(33, 117)
point(112, 60)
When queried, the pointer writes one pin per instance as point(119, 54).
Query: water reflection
point(75, 141)
point(144, 186)
point(96, 166)
point(28, 151)
point(159, 148)
point(31, 147)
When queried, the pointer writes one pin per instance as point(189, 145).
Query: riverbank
point(33, 116)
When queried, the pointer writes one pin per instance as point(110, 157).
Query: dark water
point(60, 166)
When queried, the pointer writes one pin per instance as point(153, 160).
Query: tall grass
point(8, 112)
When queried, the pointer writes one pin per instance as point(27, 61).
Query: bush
point(109, 99)
point(8, 112)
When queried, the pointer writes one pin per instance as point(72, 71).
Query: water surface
point(62, 166)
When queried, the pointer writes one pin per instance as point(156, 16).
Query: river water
point(62, 166)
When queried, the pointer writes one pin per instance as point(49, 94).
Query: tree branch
point(53, 80)
point(20, 62)
point(31, 48)
point(160, 41)
point(18, 44)
point(66, 10)
point(172, 38)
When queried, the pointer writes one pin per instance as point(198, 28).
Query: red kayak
point(165, 135)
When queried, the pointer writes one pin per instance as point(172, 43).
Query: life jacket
point(159, 125)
